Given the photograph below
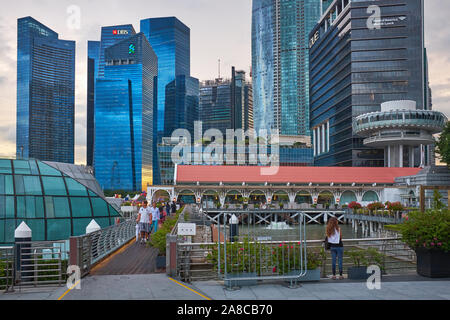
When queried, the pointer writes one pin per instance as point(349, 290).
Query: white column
point(412, 157)
point(422, 156)
point(328, 136)
point(323, 137)
point(401, 155)
point(388, 156)
point(314, 135)
point(318, 139)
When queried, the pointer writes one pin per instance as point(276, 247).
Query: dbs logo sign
point(117, 32)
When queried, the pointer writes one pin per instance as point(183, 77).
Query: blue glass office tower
point(96, 69)
point(357, 63)
point(45, 93)
point(124, 123)
point(170, 39)
point(182, 105)
point(280, 63)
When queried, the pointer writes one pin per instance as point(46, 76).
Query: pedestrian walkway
point(391, 289)
point(132, 259)
point(161, 287)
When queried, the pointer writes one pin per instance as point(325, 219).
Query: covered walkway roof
point(299, 175)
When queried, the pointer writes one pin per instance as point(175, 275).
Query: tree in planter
point(443, 145)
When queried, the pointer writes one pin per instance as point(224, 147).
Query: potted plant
point(427, 233)
point(395, 208)
point(281, 205)
point(361, 259)
point(245, 202)
point(355, 206)
point(257, 205)
point(240, 263)
point(375, 206)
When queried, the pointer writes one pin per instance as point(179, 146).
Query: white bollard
point(92, 227)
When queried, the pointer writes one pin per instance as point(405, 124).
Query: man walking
point(155, 217)
point(144, 222)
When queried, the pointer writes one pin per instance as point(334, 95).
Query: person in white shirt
point(144, 222)
point(334, 237)
point(154, 211)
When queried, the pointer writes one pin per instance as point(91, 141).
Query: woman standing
point(334, 237)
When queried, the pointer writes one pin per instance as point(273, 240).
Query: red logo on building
point(115, 32)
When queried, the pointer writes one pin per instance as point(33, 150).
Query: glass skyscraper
point(93, 62)
point(96, 69)
point(357, 63)
point(227, 104)
point(125, 100)
point(45, 93)
point(170, 39)
point(280, 63)
point(182, 105)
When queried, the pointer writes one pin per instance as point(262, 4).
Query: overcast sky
point(219, 29)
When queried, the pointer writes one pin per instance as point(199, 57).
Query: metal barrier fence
point(33, 264)
point(87, 250)
point(41, 263)
point(194, 259)
point(6, 268)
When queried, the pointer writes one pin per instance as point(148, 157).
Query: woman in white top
point(334, 236)
point(144, 222)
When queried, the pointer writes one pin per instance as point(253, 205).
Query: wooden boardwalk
point(134, 258)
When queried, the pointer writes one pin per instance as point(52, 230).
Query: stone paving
point(160, 287)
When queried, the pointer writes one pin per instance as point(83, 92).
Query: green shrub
point(158, 239)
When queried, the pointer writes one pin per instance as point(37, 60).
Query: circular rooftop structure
point(399, 122)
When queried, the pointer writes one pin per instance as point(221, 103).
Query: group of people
point(149, 217)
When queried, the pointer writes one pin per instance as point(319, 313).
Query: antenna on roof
point(219, 69)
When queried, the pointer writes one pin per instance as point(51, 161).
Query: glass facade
point(45, 93)
point(170, 39)
point(93, 61)
point(353, 69)
point(280, 63)
point(227, 104)
point(54, 205)
point(124, 123)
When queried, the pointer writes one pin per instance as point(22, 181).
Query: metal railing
point(6, 268)
point(193, 262)
point(89, 249)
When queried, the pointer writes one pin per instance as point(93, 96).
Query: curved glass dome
point(53, 204)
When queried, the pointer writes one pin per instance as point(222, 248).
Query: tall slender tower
point(45, 93)
point(280, 63)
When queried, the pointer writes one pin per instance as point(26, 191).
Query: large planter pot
point(358, 273)
point(234, 279)
point(433, 263)
point(160, 262)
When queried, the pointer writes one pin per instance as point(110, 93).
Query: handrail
point(90, 249)
point(291, 241)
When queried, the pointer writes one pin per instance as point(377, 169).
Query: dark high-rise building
point(227, 104)
point(280, 63)
point(357, 62)
point(125, 103)
point(242, 103)
point(45, 93)
point(93, 61)
point(182, 105)
point(170, 39)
